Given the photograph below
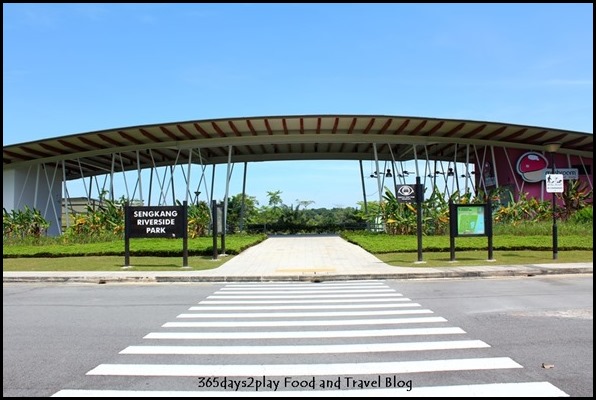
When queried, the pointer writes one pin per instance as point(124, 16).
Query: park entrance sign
point(155, 222)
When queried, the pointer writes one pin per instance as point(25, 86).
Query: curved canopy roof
point(273, 138)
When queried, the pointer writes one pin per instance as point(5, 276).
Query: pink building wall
point(522, 171)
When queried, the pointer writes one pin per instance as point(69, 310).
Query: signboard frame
point(460, 218)
point(156, 222)
point(465, 223)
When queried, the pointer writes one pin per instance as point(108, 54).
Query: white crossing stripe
point(303, 301)
point(308, 295)
point(304, 334)
point(521, 389)
point(250, 285)
point(308, 349)
point(306, 314)
point(268, 370)
point(298, 291)
point(301, 307)
point(272, 301)
point(304, 285)
point(239, 324)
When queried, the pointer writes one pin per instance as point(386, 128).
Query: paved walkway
point(302, 258)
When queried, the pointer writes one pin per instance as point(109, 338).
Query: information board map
point(470, 220)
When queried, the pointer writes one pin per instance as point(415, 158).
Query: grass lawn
point(469, 258)
point(166, 255)
point(111, 263)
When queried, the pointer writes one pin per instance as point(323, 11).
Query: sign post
point(126, 238)
point(554, 184)
point(408, 194)
point(419, 196)
point(214, 224)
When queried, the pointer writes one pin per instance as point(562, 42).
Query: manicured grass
point(470, 258)
point(383, 243)
point(166, 254)
point(402, 250)
point(111, 263)
point(145, 254)
point(203, 246)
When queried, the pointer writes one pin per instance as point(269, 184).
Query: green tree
point(304, 203)
point(370, 213)
point(241, 212)
point(199, 219)
point(275, 198)
point(271, 213)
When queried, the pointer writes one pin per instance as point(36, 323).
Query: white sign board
point(554, 183)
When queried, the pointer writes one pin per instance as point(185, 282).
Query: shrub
point(23, 223)
point(583, 216)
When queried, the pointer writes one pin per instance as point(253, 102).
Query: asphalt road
point(535, 321)
point(61, 337)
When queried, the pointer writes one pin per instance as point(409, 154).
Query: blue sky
point(75, 68)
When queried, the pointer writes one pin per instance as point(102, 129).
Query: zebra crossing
point(329, 339)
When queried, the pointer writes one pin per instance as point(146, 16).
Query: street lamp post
point(552, 148)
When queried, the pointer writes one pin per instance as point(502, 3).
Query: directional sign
point(554, 183)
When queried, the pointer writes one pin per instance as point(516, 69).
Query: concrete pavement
point(302, 258)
